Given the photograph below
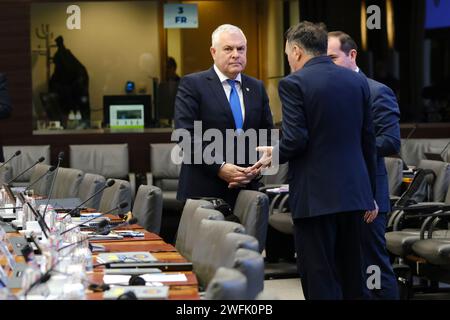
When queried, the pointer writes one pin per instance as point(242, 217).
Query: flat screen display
point(126, 116)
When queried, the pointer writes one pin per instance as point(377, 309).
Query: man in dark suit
point(342, 50)
point(5, 105)
point(328, 139)
point(222, 98)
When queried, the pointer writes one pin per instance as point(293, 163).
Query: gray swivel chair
point(118, 193)
point(90, 184)
point(29, 155)
point(147, 208)
point(394, 168)
point(108, 160)
point(40, 187)
point(399, 242)
point(227, 284)
point(413, 150)
point(207, 253)
point(183, 243)
point(165, 173)
point(252, 209)
point(5, 173)
point(67, 183)
point(251, 264)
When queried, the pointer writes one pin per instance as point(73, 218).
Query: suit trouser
point(375, 254)
point(329, 256)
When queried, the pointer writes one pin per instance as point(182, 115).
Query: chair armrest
point(149, 176)
point(282, 204)
point(424, 207)
point(269, 186)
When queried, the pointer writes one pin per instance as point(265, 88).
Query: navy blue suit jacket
point(201, 97)
point(328, 139)
point(5, 105)
point(386, 117)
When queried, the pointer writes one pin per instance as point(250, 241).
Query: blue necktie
point(235, 105)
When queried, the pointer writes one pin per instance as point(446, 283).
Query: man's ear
point(213, 52)
point(299, 52)
point(353, 53)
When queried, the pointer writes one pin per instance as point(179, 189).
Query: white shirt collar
point(357, 69)
point(223, 77)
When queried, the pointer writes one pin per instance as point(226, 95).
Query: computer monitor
point(127, 111)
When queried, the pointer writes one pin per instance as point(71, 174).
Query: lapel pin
point(247, 89)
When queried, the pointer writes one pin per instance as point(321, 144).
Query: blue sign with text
point(180, 16)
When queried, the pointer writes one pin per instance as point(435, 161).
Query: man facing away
point(222, 98)
point(342, 50)
point(328, 139)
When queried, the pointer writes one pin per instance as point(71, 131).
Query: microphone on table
point(17, 153)
point(105, 229)
point(108, 184)
point(47, 275)
point(37, 216)
point(49, 196)
point(27, 169)
point(120, 206)
point(51, 169)
point(405, 142)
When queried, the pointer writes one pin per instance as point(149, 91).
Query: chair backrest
point(5, 173)
point(147, 208)
point(251, 264)
point(29, 155)
point(116, 194)
point(67, 183)
point(207, 253)
point(441, 183)
point(227, 284)
point(194, 226)
point(252, 209)
point(281, 177)
point(413, 150)
point(41, 187)
point(189, 209)
point(165, 172)
point(108, 160)
point(394, 168)
point(90, 184)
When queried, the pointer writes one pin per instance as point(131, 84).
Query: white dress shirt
point(227, 88)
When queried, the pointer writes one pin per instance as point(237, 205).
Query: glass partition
point(95, 65)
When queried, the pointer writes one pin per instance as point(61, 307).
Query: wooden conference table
point(153, 243)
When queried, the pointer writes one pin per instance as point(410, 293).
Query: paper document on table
point(141, 292)
point(165, 277)
point(139, 256)
point(158, 277)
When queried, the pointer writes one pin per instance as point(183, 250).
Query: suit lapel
point(248, 96)
point(217, 88)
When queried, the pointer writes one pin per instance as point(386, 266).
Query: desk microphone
point(17, 153)
point(27, 169)
point(51, 169)
point(108, 184)
point(49, 196)
point(120, 206)
point(108, 229)
point(36, 214)
point(405, 142)
point(47, 275)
